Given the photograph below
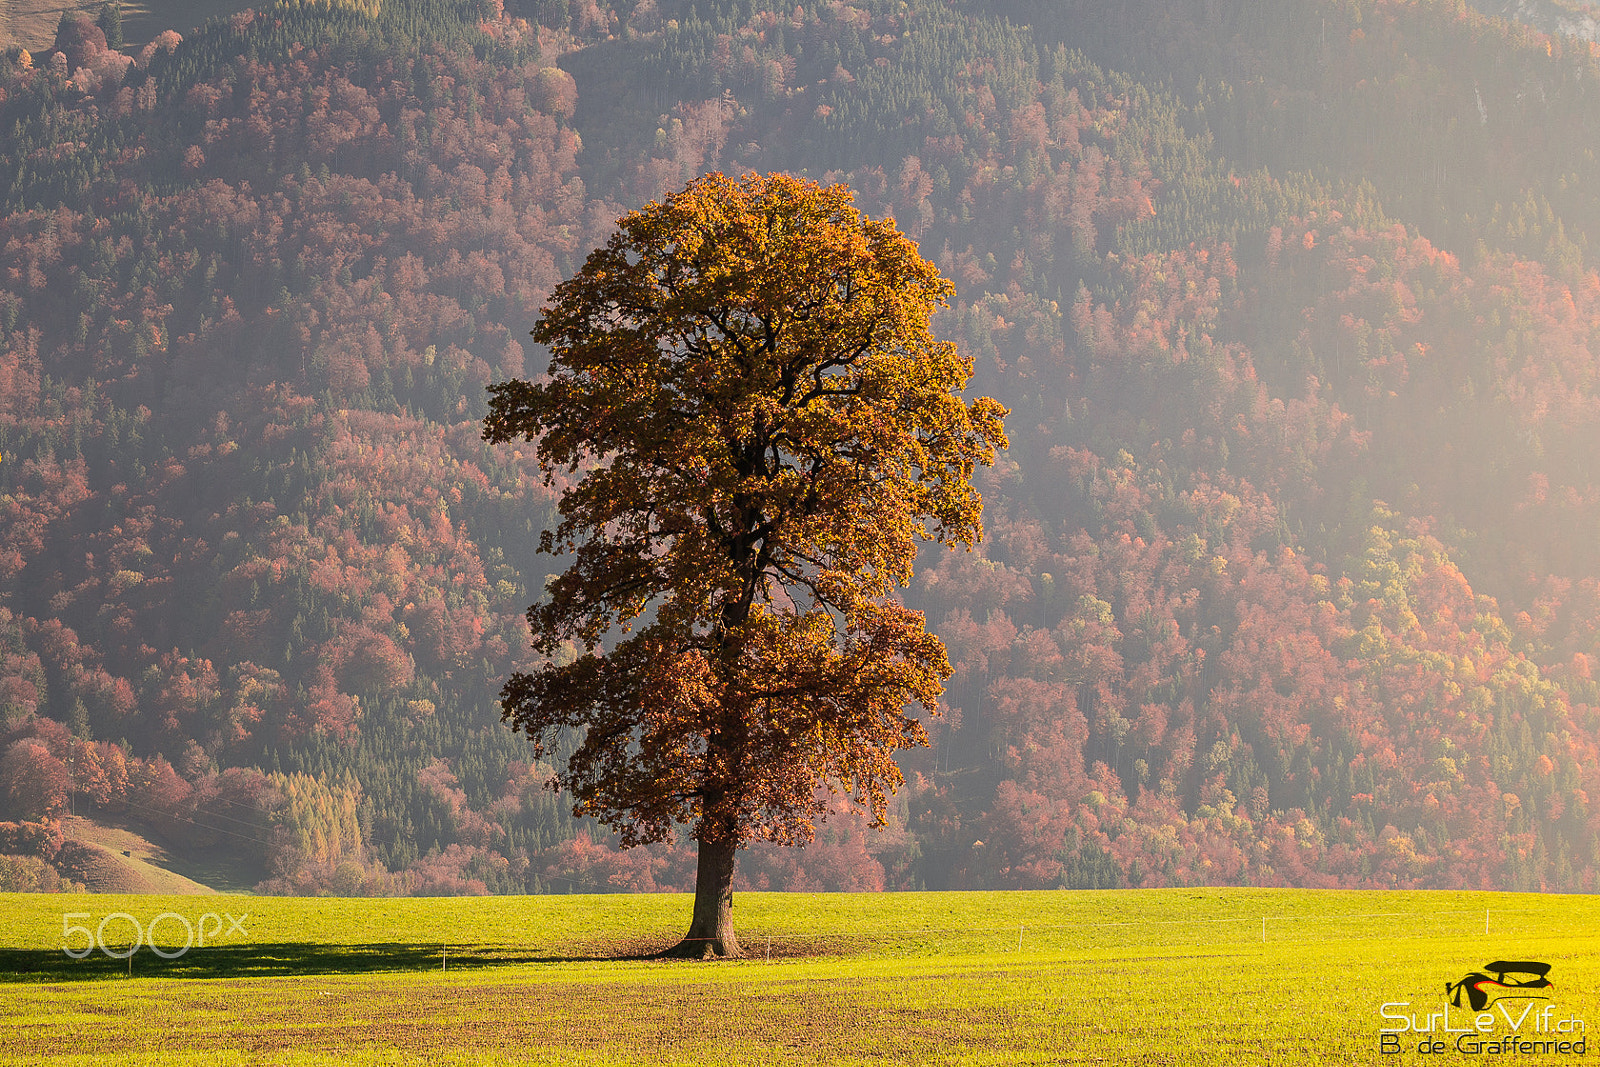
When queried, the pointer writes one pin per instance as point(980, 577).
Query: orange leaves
point(747, 372)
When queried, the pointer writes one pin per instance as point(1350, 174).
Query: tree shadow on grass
point(284, 959)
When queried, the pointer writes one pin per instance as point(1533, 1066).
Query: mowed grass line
point(1163, 977)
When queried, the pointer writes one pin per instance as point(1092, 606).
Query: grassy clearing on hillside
point(140, 858)
point(1168, 977)
point(32, 23)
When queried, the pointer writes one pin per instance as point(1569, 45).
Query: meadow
point(32, 23)
point(1204, 976)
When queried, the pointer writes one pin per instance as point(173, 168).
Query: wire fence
point(1131, 934)
point(1054, 934)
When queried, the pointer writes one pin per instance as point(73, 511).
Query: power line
point(215, 829)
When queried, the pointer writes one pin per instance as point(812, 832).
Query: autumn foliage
point(766, 428)
point(1287, 577)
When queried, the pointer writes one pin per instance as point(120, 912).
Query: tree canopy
point(765, 426)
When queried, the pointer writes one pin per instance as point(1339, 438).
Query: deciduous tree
point(747, 378)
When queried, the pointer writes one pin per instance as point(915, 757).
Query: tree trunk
point(711, 930)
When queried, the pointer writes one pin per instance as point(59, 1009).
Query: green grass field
point(1138, 977)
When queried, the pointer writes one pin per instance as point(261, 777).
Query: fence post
point(1020, 928)
point(1263, 929)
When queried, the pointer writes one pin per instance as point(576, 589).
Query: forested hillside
point(1290, 575)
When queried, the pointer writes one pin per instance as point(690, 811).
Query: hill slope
point(1286, 581)
point(121, 860)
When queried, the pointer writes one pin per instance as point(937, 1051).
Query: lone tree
point(765, 427)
